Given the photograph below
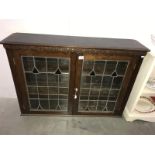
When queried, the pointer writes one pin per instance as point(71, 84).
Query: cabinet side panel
point(16, 78)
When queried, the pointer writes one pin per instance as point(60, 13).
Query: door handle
point(75, 95)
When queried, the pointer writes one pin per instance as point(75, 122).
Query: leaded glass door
point(65, 83)
point(46, 82)
point(101, 84)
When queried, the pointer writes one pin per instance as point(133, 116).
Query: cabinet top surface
point(73, 41)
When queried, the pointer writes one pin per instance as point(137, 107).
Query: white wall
point(119, 19)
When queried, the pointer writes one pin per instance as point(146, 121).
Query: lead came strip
point(43, 96)
point(116, 74)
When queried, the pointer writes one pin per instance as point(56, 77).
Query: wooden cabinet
point(72, 75)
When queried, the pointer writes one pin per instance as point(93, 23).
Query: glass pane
point(121, 68)
point(87, 67)
point(110, 106)
point(44, 104)
point(63, 90)
point(63, 97)
point(101, 106)
point(42, 79)
point(84, 97)
point(104, 94)
point(85, 81)
point(83, 105)
point(30, 79)
point(53, 104)
point(52, 64)
point(34, 104)
point(113, 95)
point(99, 67)
point(33, 95)
point(63, 80)
point(40, 64)
point(52, 80)
point(28, 63)
point(53, 90)
point(96, 79)
point(32, 90)
point(43, 90)
point(64, 65)
point(63, 104)
point(53, 96)
point(84, 92)
point(117, 82)
point(94, 92)
point(110, 67)
point(106, 83)
point(92, 105)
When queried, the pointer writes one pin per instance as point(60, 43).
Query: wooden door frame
point(14, 52)
point(131, 72)
point(14, 55)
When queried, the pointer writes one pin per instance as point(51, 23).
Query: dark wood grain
point(74, 41)
point(20, 44)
